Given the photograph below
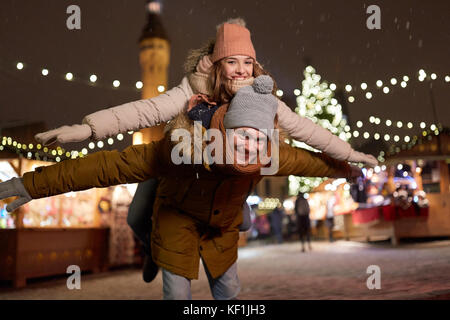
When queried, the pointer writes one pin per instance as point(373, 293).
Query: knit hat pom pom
point(263, 84)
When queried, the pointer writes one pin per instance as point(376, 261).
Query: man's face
point(248, 142)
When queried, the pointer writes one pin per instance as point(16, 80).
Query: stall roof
point(430, 146)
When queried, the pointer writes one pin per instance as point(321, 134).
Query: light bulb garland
point(92, 79)
point(39, 152)
point(382, 86)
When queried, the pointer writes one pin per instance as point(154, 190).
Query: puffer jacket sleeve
point(141, 113)
point(304, 130)
point(305, 163)
point(100, 169)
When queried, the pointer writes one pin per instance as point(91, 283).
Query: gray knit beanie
point(253, 106)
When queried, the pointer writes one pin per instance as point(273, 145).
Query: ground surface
point(331, 271)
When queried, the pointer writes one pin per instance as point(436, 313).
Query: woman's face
point(238, 67)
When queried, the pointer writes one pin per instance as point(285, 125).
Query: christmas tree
point(316, 101)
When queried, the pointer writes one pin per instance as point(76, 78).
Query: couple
point(198, 208)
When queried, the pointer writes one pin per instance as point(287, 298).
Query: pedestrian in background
point(276, 222)
point(329, 219)
point(303, 221)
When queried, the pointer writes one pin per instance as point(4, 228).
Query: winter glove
point(367, 159)
point(65, 134)
point(12, 188)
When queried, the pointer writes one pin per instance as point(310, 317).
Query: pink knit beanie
point(232, 39)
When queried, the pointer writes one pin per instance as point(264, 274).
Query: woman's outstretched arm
point(130, 116)
point(304, 130)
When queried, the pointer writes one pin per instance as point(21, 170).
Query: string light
point(69, 76)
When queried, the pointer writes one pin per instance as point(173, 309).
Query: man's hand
point(355, 173)
point(65, 134)
point(14, 188)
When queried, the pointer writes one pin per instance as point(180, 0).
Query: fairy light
point(348, 88)
point(19, 65)
point(388, 122)
point(351, 99)
point(69, 76)
point(139, 85)
point(93, 78)
point(386, 90)
point(379, 83)
point(44, 72)
point(393, 81)
point(116, 83)
point(161, 88)
point(359, 124)
point(369, 95)
point(364, 86)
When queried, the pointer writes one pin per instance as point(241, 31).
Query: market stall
point(45, 236)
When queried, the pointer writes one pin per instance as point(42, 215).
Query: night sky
point(330, 35)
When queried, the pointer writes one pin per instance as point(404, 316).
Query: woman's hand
point(367, 159)
point(14, 188)
point(65, 134)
